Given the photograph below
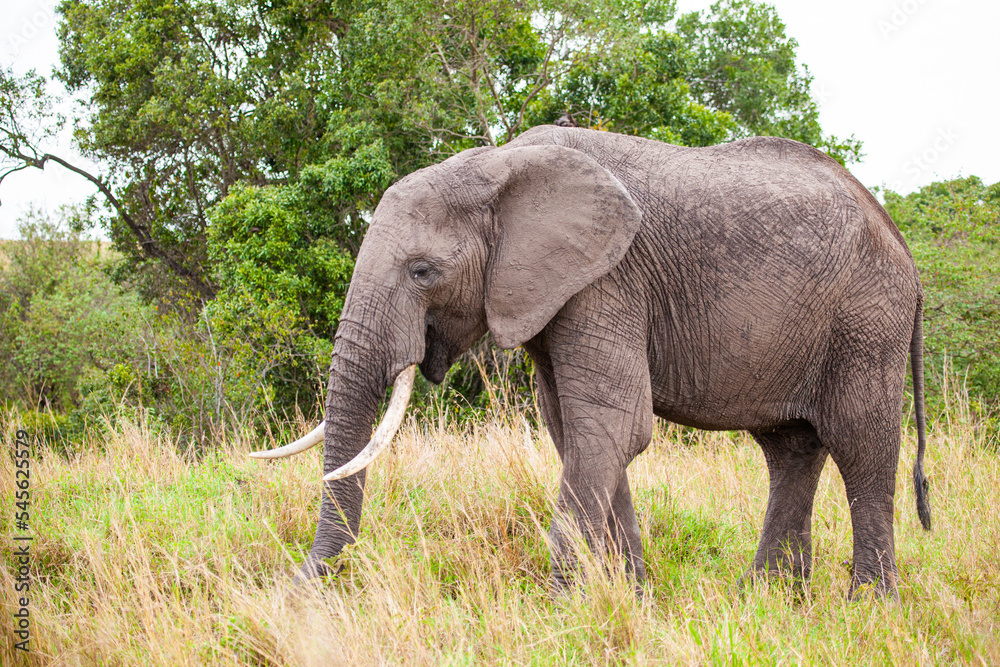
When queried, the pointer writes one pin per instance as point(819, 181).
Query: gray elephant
point(750, 286)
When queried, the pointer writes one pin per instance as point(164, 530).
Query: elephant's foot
point(873, 590)
point(877, 583)
point(314, 569)
point(788, 557)
point(568, 574)
point(561, 587)
point(783, 578)
point(785, 567)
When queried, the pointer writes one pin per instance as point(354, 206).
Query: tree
point(743, 63)
point(639, 88)
point(27, 121)
point(480, 72)
point(283, 257)
point(187, 98)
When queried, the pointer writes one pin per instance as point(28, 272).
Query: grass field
point(143, 556)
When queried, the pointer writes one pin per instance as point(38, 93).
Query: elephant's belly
point(735, 414)
point(736, 392)
point(715, 420)
point(745, 359)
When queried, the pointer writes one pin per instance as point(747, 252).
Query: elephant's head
point(493, 239)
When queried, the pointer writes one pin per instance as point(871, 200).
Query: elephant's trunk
point(356, 387)
point(401, 390)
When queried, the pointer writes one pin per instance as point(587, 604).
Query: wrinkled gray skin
point(754, 285)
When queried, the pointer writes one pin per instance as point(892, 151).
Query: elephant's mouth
point(437, 356)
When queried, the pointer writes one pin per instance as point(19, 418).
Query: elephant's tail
point(920, 484)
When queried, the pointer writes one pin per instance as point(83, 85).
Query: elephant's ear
point(561, 221)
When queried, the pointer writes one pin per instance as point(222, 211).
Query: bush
point(953, 229)
point(283, 258)
point(61, 317)
point(83, 350)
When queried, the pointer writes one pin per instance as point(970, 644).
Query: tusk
point(310, 439)
point(401, 391)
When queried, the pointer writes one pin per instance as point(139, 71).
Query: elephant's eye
point(422, 273)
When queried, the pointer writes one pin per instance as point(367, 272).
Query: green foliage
point(26, 117)
point(744, 64)
point(639, 88)
point(953, 229)
point(283, 257)
point(60, 316)
point(188, 99)
point(81, 350)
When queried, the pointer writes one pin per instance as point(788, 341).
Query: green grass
point(145, 556)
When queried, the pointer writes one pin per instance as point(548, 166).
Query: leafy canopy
point(284, 259)
point(742, 63)
point(186, 99)
point(953, 230)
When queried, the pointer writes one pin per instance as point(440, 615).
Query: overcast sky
point(915, 80)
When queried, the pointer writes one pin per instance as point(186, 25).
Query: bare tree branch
point(147, 245)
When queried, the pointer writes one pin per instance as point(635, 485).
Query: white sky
point(915, 80)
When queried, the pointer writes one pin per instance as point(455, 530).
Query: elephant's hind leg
point(861, 429)
point(795, 459)
point(867, 458)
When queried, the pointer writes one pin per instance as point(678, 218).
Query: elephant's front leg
point(623, 527)
point(606, 419)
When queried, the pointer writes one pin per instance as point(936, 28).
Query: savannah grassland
point(145, 555)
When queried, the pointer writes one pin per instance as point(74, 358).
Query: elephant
point(754, 286)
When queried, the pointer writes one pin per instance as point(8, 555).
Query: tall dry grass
point(143, 555)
